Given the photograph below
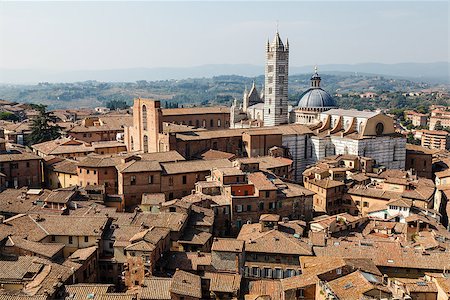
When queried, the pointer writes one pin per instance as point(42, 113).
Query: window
point(281, 69)
point(171, 181)
point(144, 117)
point(270, 68)
point(81, 171)
point(211, 123)
point(214, 145)
point(271, 205)
point(270, 79)
point(145, 143)
point(366, 204)
point(249, 207)
point(270, 90)
point(28, 164)
point(267, 194)
point(133, 180)
point(358, 203)
point(95, 172)
point(204, 123)
point(14, 166)
point(170, 196)
point(280, 204)
point(87, 172)
point(255, 271)
point(239, 208)
point(278, 273)
point(261, 206)
point(184, 179)
point(86, 239)
point(53, 238)
point(70, 240)
point(150, 179)
point(219, 123)
point(105, 172)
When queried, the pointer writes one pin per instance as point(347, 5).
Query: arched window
point(145, 143)
point(132, 144)
point(204, 124)
point(144, 117)
point(197, 123)
point(219, 123)
point(211, 123)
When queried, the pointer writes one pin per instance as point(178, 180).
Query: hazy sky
point(109, 35)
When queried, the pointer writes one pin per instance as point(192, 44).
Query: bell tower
point(276, 82)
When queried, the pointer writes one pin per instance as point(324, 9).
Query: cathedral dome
point(316, 98)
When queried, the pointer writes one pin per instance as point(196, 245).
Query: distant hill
point(428, 72)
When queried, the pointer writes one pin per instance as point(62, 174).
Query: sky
point(114, 35)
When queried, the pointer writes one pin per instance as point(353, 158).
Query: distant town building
point(417, 119)
point(435, 139)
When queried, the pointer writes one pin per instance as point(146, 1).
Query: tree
point(117, 104)
point(8, 116)
point(438, 126)
point(41, 128)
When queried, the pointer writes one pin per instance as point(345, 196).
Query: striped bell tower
point(276, 82)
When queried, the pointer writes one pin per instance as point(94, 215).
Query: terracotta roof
point(66, 166)
point(227, 245)
point(136, 166)
point(354, 285)
point(80, 225)
point(48, 250)
point(23, 226)
point(299, 281)
point(215, 154)
point(83, 253)
point(108, 123)
point(188, 261)
point(266, 287)
point(185, 283)
point(223, 282)
point(15, 270)
point(268, 162)
point(172, 220)
point(17, 201)
point(60, 196)
point(167, 156)
point(444, 284)
point(156, 288)
point(195, 110)
point(81, 291)
point(295, 190)
point(63, 146)
point(386, 254)
point(153, 198)
point(260, 181)
point(373, 193)
point(194, 166)
point(274, 241)
point(16, 155)
point(326, 183)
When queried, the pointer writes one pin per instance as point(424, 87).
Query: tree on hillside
point(41, 128)
point(8, 116)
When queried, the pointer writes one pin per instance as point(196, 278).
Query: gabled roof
point(185, 283)
point(274, 241)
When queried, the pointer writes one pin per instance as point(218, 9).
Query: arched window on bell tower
point(144, 117)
